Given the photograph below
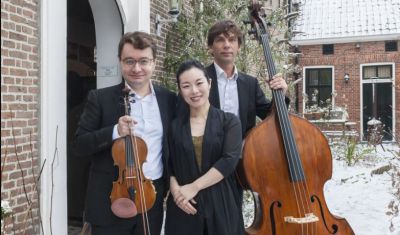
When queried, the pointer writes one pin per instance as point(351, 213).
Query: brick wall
point(347, 58)
point(20, 87)
point(161, 8)
point(20, 109)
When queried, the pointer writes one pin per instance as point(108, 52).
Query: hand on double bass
point(277, 82)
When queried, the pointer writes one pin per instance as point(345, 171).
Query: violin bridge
point(309, 218)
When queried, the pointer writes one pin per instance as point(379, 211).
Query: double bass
point(132, 193)
point(286, 162)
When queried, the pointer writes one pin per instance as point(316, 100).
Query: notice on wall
point(107, 71)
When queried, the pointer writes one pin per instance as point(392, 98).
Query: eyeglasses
point(132, 63)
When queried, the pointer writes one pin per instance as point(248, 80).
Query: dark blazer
point(94, 138)
point(221, 149)
point(252, 100)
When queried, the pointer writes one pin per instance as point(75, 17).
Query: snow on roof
point(334, 21)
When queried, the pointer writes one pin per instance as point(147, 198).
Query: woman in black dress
point(205, 146)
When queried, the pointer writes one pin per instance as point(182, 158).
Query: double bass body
point(286, 161)
point(264, 152)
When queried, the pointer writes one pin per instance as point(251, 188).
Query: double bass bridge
point(309, 218)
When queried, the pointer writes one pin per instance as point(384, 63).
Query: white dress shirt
point(145, 111)
point(227, 89)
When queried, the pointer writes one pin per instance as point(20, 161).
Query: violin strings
point(291, 150)
point(145, 218)
point(137, 167)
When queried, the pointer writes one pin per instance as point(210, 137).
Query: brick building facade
point(41, 42)
point(20, 114)
point(349, 55)
point(352, 59)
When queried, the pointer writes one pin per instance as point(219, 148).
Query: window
point(391, 46)
point(327, 49)
point(318, 87)
point(377, 72)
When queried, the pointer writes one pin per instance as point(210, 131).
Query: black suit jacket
point(94, 138)
point(252, 100)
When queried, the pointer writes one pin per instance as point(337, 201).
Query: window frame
point(388, 48)
point(328, 49)
point(305, 68)
point(378, 80)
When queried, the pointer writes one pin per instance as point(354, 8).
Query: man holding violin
point(104, 120)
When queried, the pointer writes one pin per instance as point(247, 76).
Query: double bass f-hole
point(286, 161)
point(132, 192)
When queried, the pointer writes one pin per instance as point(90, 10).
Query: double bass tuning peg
point(252, 31)
point(246, 22)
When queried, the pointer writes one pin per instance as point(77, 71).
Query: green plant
point(5, 209)
point(352, 152)
point(187, 39)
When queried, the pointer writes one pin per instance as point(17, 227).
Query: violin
point(286, 162)
point(132, 192)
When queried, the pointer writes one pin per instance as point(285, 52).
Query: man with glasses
point(104, 120)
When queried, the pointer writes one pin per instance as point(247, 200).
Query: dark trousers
point(155, 218)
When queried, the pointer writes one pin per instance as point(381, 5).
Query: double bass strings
point(294, 162)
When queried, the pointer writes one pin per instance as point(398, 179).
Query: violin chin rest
point(124, 208)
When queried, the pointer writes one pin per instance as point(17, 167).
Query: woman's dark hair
point(188, 65)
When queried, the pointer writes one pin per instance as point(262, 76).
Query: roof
point(335, 21)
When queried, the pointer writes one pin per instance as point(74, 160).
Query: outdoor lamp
point(346, 77)
point(174, 7)
point(174, 11)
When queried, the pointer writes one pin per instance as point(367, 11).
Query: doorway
point(81, 77)
point(94, 29)
point(377, 98)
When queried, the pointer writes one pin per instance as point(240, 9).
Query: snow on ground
point(363, 198)
point(357, 195)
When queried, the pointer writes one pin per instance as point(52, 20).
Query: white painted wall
point(107, 15)
point(136, 15)
point(53, 114)
point(107, 20)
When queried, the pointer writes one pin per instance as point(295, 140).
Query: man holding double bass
point(104, 120)
point(231, 90)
